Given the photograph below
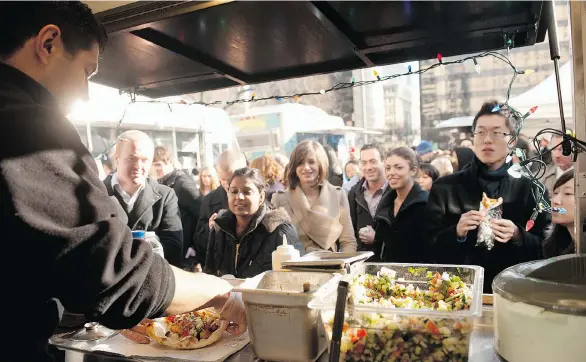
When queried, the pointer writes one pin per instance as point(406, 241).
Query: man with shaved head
point(150, 206)
point(228, 162)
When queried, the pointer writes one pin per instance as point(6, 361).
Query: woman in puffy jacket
point(243, 238)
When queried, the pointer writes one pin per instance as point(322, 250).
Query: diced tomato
point(458, 325)
point(432, 327)
point(186, 333)
point(171, 319)
point(361, 333)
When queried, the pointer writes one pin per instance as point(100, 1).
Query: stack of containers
point(389, 333)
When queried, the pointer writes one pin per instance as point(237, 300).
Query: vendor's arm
point(55, 202)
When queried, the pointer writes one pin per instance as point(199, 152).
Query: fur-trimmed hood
point(270, 219)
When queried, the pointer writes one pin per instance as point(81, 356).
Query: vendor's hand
point(366, 235)
point(211, 223)
point(504, 230)
point(233, 312)
point(468, 222)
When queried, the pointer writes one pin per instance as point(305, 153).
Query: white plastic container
point(283, 253)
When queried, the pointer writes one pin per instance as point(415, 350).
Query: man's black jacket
point(62, 236)
point(453, 195)
point(156, 210)
point(189, 201)
point(211, 204)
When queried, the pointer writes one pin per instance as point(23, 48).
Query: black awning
point(166, 48)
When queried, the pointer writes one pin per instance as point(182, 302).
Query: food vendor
point(64, 240)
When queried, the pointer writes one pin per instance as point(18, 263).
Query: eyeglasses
point(493, 135)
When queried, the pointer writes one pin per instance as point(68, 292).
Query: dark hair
point(407, 154)
point(513, 122)
point(429, 170)
point(373, 146)
point(559, 242)
point(298, 156)
point(20, 21)
point(251, 174)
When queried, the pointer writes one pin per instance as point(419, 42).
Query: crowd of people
point(74, 228)
point(409, 205)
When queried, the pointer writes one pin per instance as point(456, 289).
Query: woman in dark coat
point(400, 212)
point(560, 235)
point(243, 238)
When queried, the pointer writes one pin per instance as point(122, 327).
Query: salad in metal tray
point(371, 336)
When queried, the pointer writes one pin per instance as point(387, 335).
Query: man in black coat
point(188, 195)
point(148, 205)
point(365, 196)
point(452, 216)
point(65, 242)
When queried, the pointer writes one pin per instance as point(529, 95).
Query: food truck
point(294, 315)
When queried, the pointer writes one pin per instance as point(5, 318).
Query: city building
point(458, 90)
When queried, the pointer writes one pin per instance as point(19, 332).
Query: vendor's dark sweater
point(63, 238)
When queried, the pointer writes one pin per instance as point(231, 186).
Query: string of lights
point(519, 170)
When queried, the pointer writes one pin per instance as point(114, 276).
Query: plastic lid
point(92, 331)
point(556, 284)
point(138, 234)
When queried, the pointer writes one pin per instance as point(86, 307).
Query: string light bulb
point(376, 74)
point(439, 57)
point(409, 69)
point(253, 96)
point(322, 91)
point(296, 97)
point(496, 108)
point(476, 65)
point(353, 80)
point(527, 71)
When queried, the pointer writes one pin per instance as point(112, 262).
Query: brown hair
point(269, 169)
point(407, 154)
point(298, 156)
point(163, 154)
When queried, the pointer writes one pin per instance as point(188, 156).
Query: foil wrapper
point(486, 236)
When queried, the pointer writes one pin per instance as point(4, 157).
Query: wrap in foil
point(493, 208)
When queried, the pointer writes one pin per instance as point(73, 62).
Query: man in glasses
point(452, 217)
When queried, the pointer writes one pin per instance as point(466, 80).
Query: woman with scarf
point(319, 210)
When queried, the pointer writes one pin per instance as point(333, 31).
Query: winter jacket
point(63, 238)
point(210, 204)
point(189, 201)
point(156, 210)
point(401, 235)
point(325, 223)
point(456, 194)
point(464, 155)
point(250, 254)
point(361, 217)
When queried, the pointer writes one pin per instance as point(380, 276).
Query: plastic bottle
point(283, 253)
